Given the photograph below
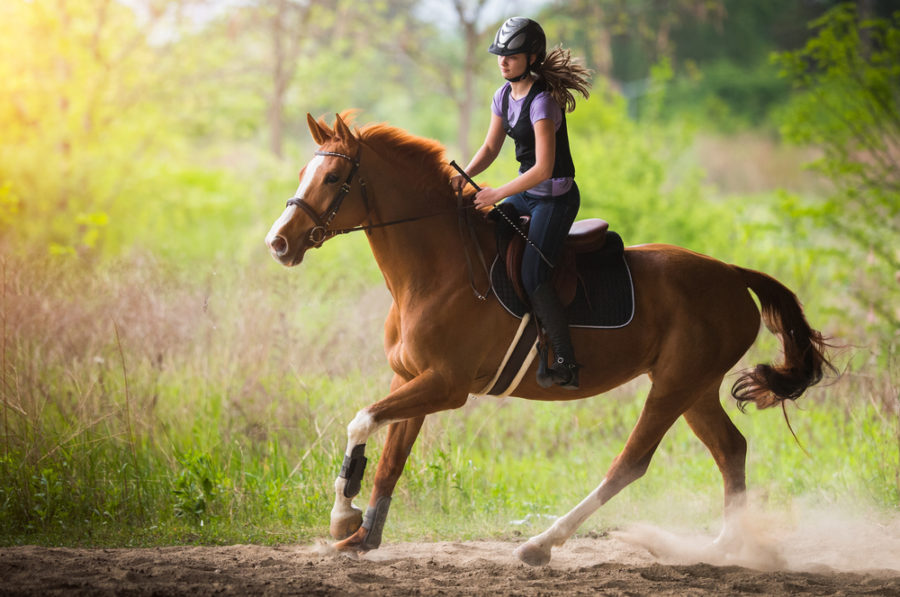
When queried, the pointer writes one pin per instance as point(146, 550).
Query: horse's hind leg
point(711, 424)
point(659, 413)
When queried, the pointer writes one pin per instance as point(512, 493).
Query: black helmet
point(520, 35)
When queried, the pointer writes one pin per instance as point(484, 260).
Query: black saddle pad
point(604, 297)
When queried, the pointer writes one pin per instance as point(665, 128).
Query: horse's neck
point(420, 258)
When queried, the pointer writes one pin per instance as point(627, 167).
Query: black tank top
point(523, 134)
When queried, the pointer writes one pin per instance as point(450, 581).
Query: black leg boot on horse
point(552, 316)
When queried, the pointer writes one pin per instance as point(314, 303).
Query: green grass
point(241, 380)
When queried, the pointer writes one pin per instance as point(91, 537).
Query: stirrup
point(565, 374)
point(561, 373)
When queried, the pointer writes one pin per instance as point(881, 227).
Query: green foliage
point(625, 177)
point(848, 103)
point(725, 96)
point(135, 190)
point(238, 392)
point(197, 487)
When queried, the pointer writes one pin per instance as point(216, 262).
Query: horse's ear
point(341, 130)
point(320, 133)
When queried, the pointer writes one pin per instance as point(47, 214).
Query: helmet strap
point(520, 77)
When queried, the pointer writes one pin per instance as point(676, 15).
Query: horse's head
point(330, 196)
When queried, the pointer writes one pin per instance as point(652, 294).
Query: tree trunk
point(279, 83)
point(466, 101)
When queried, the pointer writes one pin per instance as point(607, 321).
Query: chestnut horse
point(694, 318)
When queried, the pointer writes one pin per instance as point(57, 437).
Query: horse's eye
point(331, 178)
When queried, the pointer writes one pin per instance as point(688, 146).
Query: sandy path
point(608, 565)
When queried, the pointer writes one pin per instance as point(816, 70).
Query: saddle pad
point(604, 297)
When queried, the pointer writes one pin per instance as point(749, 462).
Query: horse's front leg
point(405, 407)
point(400, 439)
point(346, 518)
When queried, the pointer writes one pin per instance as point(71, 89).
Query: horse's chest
point(402, 360)
point(395, 348)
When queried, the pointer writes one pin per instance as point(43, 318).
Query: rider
point(530, 109)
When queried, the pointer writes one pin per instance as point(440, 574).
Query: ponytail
point(563, 74)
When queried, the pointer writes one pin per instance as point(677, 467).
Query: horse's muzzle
point(279, 246)
point(282, 251)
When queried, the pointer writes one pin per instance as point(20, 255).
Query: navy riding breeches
point(551, 218)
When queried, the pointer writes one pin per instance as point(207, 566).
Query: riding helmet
point(520, 35)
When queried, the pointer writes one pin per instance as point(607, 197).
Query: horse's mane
point(423, 159)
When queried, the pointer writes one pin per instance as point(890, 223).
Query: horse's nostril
point(279, 245)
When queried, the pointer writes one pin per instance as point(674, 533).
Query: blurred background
point(164, 380)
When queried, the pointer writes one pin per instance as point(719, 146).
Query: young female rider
point(530, 109)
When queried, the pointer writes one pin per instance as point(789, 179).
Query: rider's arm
point(545, 156)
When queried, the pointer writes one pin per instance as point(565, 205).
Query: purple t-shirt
point(543, 106)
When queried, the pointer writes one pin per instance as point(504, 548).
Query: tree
point(83, 98)
point(848, 104)
point(593, 26)
point(439, 62)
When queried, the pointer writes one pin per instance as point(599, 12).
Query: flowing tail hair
point(804, 348)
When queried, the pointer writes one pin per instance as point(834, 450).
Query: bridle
point(320, 232)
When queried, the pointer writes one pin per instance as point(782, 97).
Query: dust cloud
point(808, 538)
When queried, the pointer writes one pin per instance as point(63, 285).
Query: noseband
point(320, 232)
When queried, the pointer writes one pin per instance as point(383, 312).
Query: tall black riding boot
point(551, 313)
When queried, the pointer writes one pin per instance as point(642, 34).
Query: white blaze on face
point(308, 176)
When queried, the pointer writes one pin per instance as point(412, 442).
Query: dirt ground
point(641, 562)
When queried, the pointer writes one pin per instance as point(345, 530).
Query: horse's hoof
point(345, 525)
point(356, 543)
point(533, 554)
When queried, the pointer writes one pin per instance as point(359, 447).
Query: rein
point(320, 232)
point(503, 215)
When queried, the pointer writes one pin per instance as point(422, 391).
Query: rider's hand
point(457, 182)
point(486, 198)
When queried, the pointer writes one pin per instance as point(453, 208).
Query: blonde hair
point(564, 74)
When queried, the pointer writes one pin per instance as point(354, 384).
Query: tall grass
point(146, 396)
point(146, 402)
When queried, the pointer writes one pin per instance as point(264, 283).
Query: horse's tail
point(804, 348)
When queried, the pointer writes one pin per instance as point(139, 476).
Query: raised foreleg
point(405, 409)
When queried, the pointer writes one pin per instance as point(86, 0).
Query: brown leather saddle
point(585, 236)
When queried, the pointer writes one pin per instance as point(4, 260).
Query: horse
point(694, 318)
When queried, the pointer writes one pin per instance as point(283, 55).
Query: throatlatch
point(352, 469)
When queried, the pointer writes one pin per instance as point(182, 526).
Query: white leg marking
point(343, 508)
point(358, 431)
point(536, 551)
point(731, 536)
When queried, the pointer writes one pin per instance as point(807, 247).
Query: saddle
point(592, 279)
point(585, 236)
